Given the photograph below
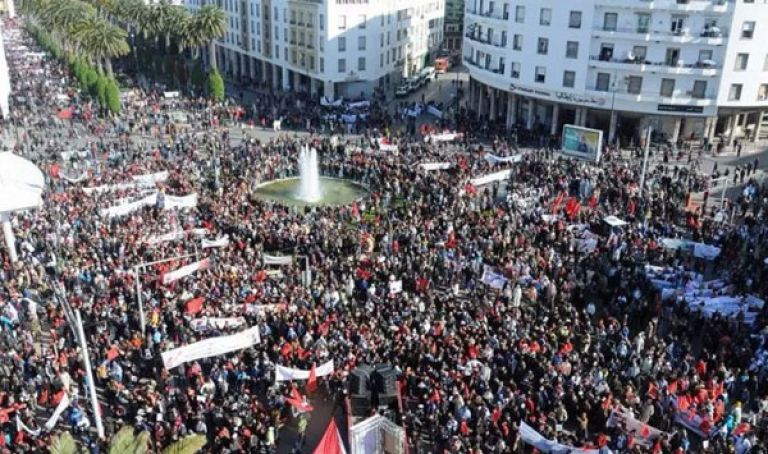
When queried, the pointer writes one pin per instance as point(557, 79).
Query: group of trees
point(127, 441)
point(96, 32)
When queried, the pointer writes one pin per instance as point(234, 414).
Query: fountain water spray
point(309, 173)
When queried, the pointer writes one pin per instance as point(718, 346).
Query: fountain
point(309, 176)
point(310, 189)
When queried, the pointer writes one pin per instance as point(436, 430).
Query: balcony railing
point(471, 62)
point(638, 61)
point(486, 40)
point(489, 14)
point(706, 33)
point(677, 94)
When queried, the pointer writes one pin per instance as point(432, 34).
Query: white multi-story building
point(333, 47)
point(687, 68)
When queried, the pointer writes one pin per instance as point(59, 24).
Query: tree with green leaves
point(127, 441)
point(215, 86)
point(113, 96)
point(101, 91)
point(101, 41)
point(211, 21)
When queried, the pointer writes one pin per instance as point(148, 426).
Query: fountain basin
point(334, 192)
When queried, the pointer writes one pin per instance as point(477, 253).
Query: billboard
point(582, 143)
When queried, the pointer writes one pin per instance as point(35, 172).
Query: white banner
point(151, 178)
point(278, 259)
point(624, 419)
point(214, 346)
point(110, 187)
point(186, 271)
point(175, 235)
point(396, 286)
point(491, 177)
point(21, 426)
point(67, 155)
point(289, 373)
point(327, 102)
point(493, 280)
point(385, 145)
point(130, 207)
point(613, 221)
point(493, 159)
point(435, 166)
point(443, 137)
point(63, 404)
point(219, 242)
point(83, 176)
point(206, 323)
point(188, 201)
point(705, 251)
point(530, 436)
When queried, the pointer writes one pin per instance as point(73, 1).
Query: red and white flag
point(312, 382)
point(299, 402)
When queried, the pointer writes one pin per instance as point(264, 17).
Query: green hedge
point(113, 96)
point(215, 86)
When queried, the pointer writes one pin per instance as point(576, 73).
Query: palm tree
point(101, 41)
point(127, 441)
point(61, 17)
point(212, 23)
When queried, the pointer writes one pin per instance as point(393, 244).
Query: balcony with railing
point(704, 68)
point(489, 14)
point(484, 39)
point(708, 6)
point(485, 66)
point(711, 36)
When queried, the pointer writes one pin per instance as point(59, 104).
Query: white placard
point(214, 346)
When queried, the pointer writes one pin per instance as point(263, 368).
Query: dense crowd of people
point(570, 330)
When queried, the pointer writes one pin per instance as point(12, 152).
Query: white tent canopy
point(21, 187)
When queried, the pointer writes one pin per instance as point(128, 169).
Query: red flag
point(65, 114)
point(645, 431)
point(557, 203)
point(312, 382)
point(298, 401)
point(593, 201)
point(572, 207)
point(331, 442)
point(469, 188)
point(113, 353)
point(195, 305)
point(452, 241)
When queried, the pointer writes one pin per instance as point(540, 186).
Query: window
point(515, 70)
point(342, 22)
point(606, 52)
point(541, 74)
point(381, 59)
point(634, 85)
point(361, 43)
point(543, 46)
point(673, 57)
point(639, 53)
point(734, 94)
point(545, 16)
point(574, 20)
point(603, 82)
point(342, 65)
point(363, 19)
point(572, 49)
point(361, 64)
point(569, 79)
point(643, 23)
point(517, 42)
point(520, 14)
point(609, 22)
point(705, 55)
point(322, 64)
point(342, 44)
point(667, 87)
point(741, 62)
point(322, 22)
point(677, 26)
point(762, 92)
point(699, 89)
point(747, 30)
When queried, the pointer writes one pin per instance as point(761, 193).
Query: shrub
point(215, 86)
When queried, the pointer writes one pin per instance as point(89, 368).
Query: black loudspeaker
point(360, 381)
point(384, 381)
point(361, 406)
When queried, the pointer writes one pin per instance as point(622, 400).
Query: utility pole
point(89, 375)
point(645, 160)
